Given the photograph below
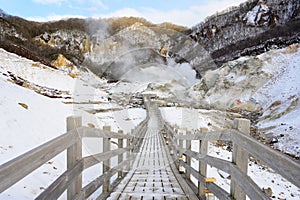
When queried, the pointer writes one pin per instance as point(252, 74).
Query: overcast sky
point(182, 12)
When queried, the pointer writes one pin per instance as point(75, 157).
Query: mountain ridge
point(252, 28)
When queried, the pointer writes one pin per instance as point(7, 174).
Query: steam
point(133, 55)
point(98, 29)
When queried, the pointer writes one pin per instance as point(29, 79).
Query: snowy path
point(151, 176)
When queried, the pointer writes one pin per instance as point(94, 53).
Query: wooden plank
point(74, 155)
point(284, 165)
point(279, 162)
point(16, 169)
point(218, 191)
point(188, 145)
point(183, 184)
point(244, 181)
point(120, 157)
point(79, 196)
point(99, 181)
point(215, 162)
point(128, 154)
point(180, 143)
point(92, 160)
point(246, 184)
point(58, 187)
point(224, 135)
point(203, 149)
point(103, 196)
point(92, 132)
point(240, 158)
point(106, 163)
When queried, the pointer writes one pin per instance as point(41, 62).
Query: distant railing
point(71, 180)
point(243, 146)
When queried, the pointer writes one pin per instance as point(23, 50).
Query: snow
point(39, 74)
point(240, 79)
point(23, 129)
point(193, 119)
point(251, 15)
point(254, 16)
point(45, 118)
point(283, 87)
point(285, 81)
point(125, 119)
point(261, 175)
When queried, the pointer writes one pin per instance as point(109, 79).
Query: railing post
point(129, 151)
point(203, 148)
point(188, 146)
point(106, 164)
point(176, 142)
point(180, 142)
point(120, 157)
point(74, 154)
point(240, 158)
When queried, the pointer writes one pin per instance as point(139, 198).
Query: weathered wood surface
point(93, 132)
point(218, 192)
point(62, 183)
point(152, 162)
point(92, 160)
point(106, 163)
point(279, 162)
point(120, 156)
point(151, 175)
point(239, 158)
point(276, 160)
point(99, 181)
point(16, 169)
point(244, 181)
point(74, 155)
point(203, 149)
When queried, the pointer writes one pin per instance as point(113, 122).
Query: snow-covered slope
point(30, 117)
point(267, 84)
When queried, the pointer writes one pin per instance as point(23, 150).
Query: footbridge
point(153, 162)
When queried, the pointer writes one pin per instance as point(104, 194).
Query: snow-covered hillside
point(35, 101)
point(30, 117)
point(267, 84)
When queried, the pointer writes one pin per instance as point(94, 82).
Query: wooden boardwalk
point(153, 175)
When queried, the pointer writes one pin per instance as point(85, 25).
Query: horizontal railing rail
point(284, 165)
point(16, 169)
point(280, 163)
point(21, 166)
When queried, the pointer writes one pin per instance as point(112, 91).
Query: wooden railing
point(71, 180)
point(243, 146)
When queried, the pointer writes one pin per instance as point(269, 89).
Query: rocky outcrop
point(63, 64)
point(132, 47)
point(71, 40)
point(7, 30)
point(252, 28)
